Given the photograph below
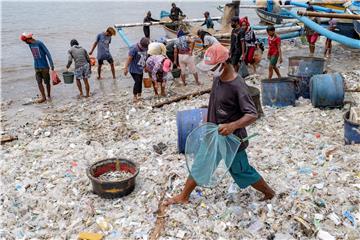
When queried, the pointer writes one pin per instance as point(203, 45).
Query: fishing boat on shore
point(332, 4)
point(273, 18)
point(353, 8)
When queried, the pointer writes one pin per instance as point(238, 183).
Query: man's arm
point(69, 59)
point(126, 70)
point(228, 128)
point(48, 55)
point(280, 53)
point(154, 20)
point(94, 45)
point(176, 56)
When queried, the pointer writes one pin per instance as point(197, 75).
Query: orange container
point(92, 60)
point(147, 82)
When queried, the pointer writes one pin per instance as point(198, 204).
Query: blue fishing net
point(209, 155)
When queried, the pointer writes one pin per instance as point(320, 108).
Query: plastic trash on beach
point(209, 155)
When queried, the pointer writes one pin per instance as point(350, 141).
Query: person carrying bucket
point(42, 59)
point(274, 53)
point(102, 42)
point(158, 67)
point(82, 66)
point(135, 65)
point(232, 108)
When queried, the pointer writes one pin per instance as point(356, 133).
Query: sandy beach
point(45, 193)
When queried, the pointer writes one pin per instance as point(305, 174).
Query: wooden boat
point(333, 4)
point(273, 18)
point(354, 9)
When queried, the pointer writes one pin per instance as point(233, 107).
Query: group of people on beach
point(76, 53)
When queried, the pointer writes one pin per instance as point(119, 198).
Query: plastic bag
point(209, 155)
point(243, 71)
point(55, 78)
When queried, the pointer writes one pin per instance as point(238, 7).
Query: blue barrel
point(327, 90)
point(305, 66)
point(351, 130)
point(278, 92)
point(186, 121)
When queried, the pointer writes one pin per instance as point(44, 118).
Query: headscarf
point(244, 20)
point(180, 33)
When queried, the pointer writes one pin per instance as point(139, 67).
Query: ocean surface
point(56, 23)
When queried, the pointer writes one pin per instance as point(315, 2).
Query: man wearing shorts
point(102, 42)
point(41, 58)
point(82, 66)
point(184, 47)
point(232, 108)
point(274, 53)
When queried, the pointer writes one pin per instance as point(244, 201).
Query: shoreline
point(46, 194)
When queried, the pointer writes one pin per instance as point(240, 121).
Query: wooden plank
point(7, 138)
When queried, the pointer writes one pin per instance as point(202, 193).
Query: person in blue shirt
point(135, 65)
point(102, 42)
point(208, 21)
point(42, 60)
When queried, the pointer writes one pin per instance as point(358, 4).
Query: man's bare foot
point(40, 100)
point(268, 196)
point(99, 78)
point(178, 199)
point(199, 83)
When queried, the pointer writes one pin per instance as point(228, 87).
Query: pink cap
point(25, 36)
point(166, 65)
point(214, 55)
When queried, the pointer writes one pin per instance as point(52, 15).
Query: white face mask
point(217, 72)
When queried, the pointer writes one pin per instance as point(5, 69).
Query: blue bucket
point(305, 66)
point(278, 92)
point(351, 130)
point(327, 90)
point(187, 121)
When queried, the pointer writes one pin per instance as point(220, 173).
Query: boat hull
point(272, 18)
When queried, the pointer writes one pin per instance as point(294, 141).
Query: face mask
point(233, 25)
point(217, 72)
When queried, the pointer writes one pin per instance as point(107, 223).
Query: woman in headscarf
point(248, 42)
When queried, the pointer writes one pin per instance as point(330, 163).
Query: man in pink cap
point(42, 60)
point(232, 107)
point(158, 66)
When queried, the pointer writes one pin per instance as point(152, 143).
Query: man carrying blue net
point(231, 107)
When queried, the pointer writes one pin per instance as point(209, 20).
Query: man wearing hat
point(102, 42)
point(232, 108)
point(135, 65)
point(158, 66)
point(42, 59)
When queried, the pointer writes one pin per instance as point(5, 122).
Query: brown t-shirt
point(230, 101)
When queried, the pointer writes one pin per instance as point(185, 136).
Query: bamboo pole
point(263, 32)
point(329, 15)
point(254, 6)
point(163, 22)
